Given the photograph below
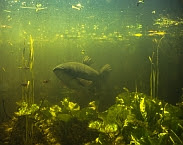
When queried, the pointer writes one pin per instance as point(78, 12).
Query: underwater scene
point(91, 72)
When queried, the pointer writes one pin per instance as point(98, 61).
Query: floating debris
point(137, 34)
point(38, 7)
point(167, 22)
point(152, 33)
point(7, 11)
point(5, 26)
point(153, 12)
point(26, 67)
point(140, 2)
point(77, 6)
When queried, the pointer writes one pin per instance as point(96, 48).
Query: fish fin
point(105, 69)
point(85, 83)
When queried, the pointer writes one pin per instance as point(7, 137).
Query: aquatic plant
point(135, 118)
point(154, 76)
point(28, 86)
point(56, 124)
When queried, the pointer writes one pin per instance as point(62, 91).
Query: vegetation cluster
point(135, 119)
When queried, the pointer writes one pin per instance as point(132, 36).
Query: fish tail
point(105, 70)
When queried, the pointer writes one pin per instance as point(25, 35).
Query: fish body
point(76, 70)
point(74, 73)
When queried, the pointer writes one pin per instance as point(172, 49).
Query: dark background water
point(105, 30)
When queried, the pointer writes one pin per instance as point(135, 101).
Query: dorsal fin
point(87, 60)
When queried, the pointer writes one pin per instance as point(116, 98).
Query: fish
point(79, 74)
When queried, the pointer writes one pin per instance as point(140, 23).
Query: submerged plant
point(154, 76)
point(138, 119)
point(135, 118)
point(24, 109)
point(51, 125)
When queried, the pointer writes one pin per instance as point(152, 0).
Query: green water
point(118, 33)
point(123, 37)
